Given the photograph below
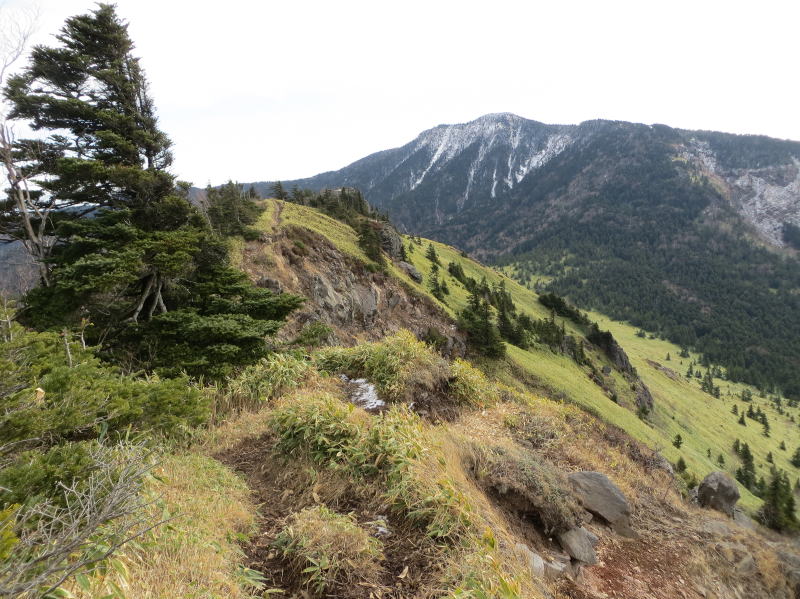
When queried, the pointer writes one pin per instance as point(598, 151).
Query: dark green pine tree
point(482, 334)
point(778, 510)
point(230, 209)
point(370, 241)
point(746, 474)
point(278, 192)
point(795, 461)
point(431, 254)
point(436, 287)
point(132, 254)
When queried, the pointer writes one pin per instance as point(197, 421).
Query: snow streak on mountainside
point(500, 161)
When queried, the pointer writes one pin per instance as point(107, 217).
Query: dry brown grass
point(330, 551)
point(196, 553)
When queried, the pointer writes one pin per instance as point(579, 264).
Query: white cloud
point(263, 90)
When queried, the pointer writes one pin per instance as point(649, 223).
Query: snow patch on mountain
point(522, 151)
point(556, 144)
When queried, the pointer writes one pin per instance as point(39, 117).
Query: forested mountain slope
point(689, 234)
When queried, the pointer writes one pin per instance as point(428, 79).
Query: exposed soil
point(412, 564)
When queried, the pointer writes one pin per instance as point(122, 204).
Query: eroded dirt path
point(412, 566)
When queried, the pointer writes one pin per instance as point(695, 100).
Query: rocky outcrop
point(603, 498)
point(560, 566)
point(579, 543)
point(391, 242)
point(342, 292)
point(718, 491)
point(790, 563)
point(411, 271)
point(644, 399)
point(605, 341)
point(269, 283)
point(533, 560)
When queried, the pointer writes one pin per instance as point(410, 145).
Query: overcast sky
point(264, 90)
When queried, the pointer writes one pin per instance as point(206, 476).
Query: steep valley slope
point(689, 234)
point(366, 463)
point(550, 409)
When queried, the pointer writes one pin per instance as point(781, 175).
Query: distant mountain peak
point(502, 157)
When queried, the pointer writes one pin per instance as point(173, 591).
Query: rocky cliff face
point(765, 193)
point(359, 305)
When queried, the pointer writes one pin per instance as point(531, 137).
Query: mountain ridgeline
point(692, 235)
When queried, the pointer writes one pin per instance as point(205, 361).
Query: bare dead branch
point(101, 514)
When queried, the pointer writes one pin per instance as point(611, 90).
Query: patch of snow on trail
point(363, 394)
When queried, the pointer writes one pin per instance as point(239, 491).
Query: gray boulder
point(411, 271)
point(391, 242)
point(718, 491)
point(533, 560)
point(603, 498)
point(553, 570)
point(579, 543)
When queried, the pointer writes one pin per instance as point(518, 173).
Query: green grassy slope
point(704, 423)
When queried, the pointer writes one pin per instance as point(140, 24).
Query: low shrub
point(271, 376)
point(323, 428)
point(328, 550)
point(390, 447)
point(35, 476)
point(63, 396)
point(468, 385)
point(396, 365)
point(313, 334)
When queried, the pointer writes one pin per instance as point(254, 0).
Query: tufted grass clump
point(417, 484)
point(468, 385)
point(392, 449)
point(527, 484)
point(323, 428)
point(484, 574)
point(396, 365)
point(271, 376)
point(329, 551)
